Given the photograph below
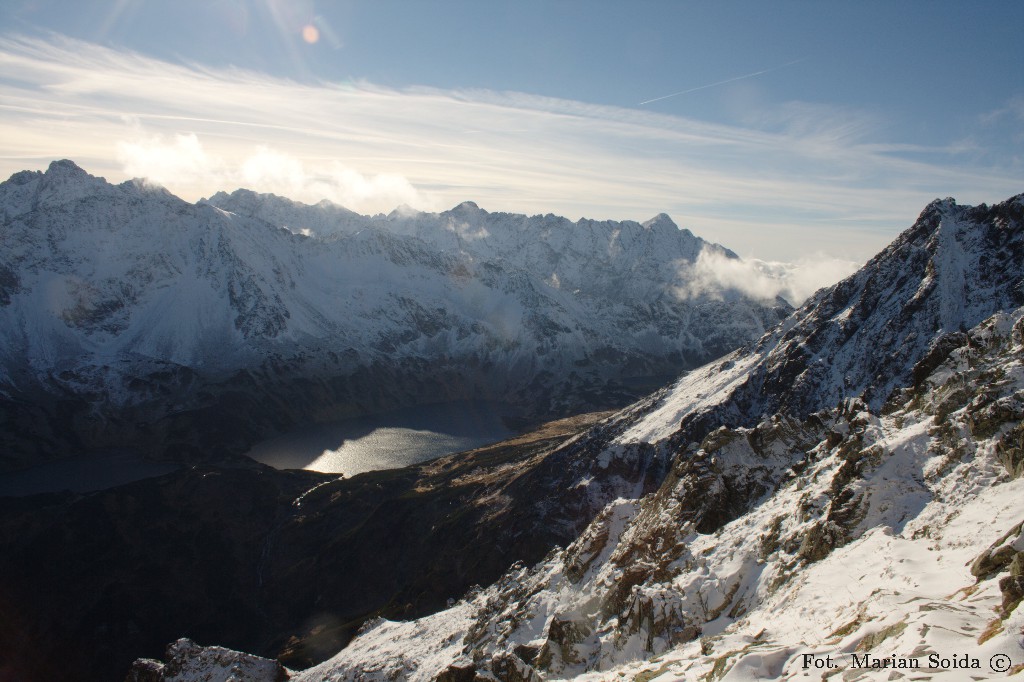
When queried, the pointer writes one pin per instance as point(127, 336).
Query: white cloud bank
point(713, 272)
point(807, 183)
point(183, 161)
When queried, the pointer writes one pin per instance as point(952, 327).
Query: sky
point(792, 132)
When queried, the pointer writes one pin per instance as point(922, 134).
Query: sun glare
point(310, 33)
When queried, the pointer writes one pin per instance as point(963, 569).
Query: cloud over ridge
point(170, 161)
point(714, 272)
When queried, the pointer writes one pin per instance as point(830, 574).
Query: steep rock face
point(131, 318)
point(953, 269)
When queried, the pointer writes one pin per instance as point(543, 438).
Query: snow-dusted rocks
point(130, 317)
point(851, 540)
point(188, 662)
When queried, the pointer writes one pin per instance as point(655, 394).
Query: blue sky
point(801, 130)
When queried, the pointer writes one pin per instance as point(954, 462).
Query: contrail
point(727, 80)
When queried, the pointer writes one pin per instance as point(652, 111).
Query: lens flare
point(310, 33)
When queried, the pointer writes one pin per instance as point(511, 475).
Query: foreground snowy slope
point(871, 536)
point(131, 318)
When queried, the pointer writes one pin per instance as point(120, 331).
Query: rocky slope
point(847, 486)
point(130, 318)
point(863, 534)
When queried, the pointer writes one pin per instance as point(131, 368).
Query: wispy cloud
point(795, 182)
point(723, 82)
point(1013, 109)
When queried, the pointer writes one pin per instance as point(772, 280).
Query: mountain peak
point(938, 206)
point(65, 167)
point(62, 174)
point(841, 440)
point(62, 182)
point(403, 211)
point(660, 222)
point(468, 208)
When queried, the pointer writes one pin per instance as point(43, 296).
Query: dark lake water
point(389, 440)
point(81, 474)
point(385, 441)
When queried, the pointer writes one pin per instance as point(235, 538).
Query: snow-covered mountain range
point(842, 498)
point(129, 317)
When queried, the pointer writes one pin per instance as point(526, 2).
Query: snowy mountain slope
point(868, 537)
point(885, 522)
point(874, 536)
point(321, 220)
point(134, 308)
